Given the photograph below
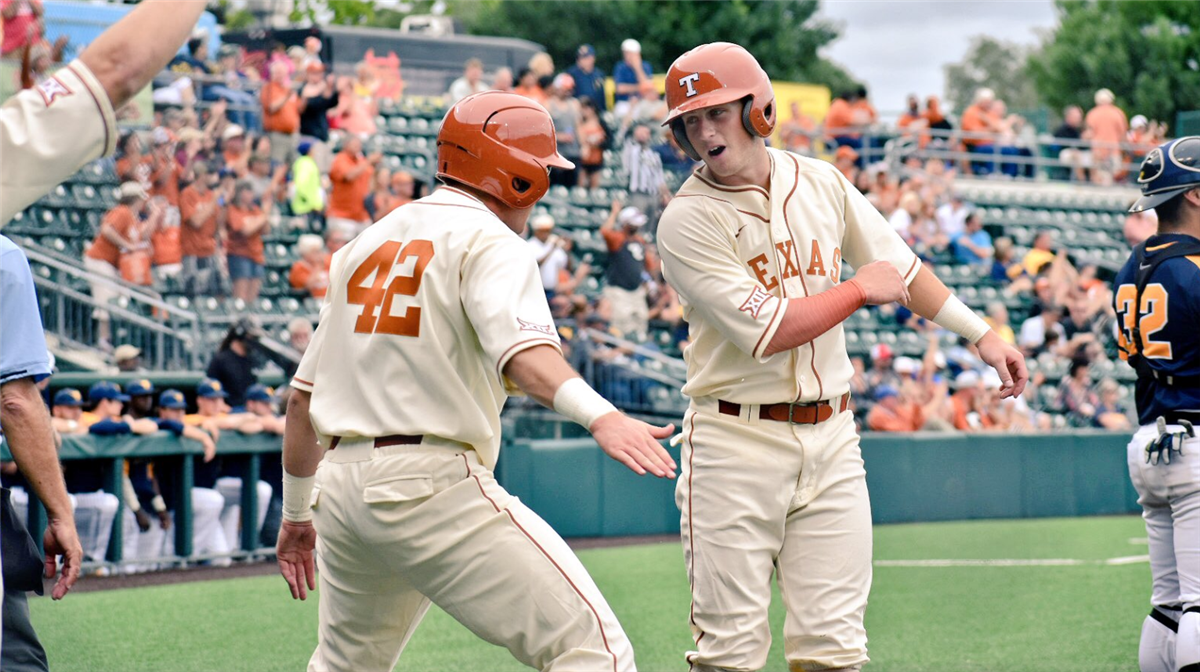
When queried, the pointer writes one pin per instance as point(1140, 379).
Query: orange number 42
point(376, 300)
point(1153, 318)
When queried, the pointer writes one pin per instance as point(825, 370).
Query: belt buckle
point(792, 412)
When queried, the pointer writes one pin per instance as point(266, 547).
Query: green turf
point(939, 619)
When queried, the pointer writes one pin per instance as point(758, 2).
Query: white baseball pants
point(760, 497)
point(402, 526)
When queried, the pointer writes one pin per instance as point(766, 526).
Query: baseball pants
point(1169, 494)
point(230, 488)
point(760, 497)
point(403, 526)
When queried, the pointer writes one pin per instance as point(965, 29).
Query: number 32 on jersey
point(373, 296)
point(1150, 320)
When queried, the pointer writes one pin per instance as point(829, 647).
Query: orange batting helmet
point(715, 74)
point(502, 144)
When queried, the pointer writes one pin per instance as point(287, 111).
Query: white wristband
point(297, 496)
point(577, 401)
point(960, 319)
point(158, 504)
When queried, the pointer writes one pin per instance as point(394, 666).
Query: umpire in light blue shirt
point(33, 444)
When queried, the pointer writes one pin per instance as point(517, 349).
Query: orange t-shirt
point(906, 418)
point(128, 171)
point(593, 154)
point(1107, 124)
point(864, 111)
point(165, 181)
point(347, 198)
point(960, 415)
point(240, 245)
point(534, 93)
point(287, 118)
point(840, 115)
point(120, 218)
point(975, 120)
point(167, 245)
point(201, 242)
point(302, 273)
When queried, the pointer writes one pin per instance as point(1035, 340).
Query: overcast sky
point(899, 46)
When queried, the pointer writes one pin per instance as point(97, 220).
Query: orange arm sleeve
point(809, 317)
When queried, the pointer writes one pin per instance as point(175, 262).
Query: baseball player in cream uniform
point(435, 314)
point(772, 479)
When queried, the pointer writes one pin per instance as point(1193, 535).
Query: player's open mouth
point(716, 151)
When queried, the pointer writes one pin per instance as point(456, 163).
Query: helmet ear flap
point(756, 122)
point(681, 138)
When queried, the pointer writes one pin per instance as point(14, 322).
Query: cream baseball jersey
point(735, 254)
point(424, 310)
point(50, 131)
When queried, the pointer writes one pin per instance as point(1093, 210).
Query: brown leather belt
point(797, 414)
point(385, 441)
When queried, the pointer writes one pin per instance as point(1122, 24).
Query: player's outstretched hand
point(294, 551)
point(62, 539)
point(882, 283)
point(634, 443)
point(1007, 361)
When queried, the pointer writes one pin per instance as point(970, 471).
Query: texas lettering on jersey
point(787, 260)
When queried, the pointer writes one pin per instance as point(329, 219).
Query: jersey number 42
point(1150, 319)
point(372, 297)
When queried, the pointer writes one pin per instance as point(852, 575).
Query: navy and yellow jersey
point(1169, 322)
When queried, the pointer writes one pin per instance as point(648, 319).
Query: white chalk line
point(1014, 562)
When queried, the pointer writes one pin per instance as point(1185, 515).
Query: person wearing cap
point(207, 536)
point(235, 152)
point(550, 250)
point(969, 416)
point(213, 416)
point(589, 80)
point(1034, 330)
point(627, 269)
point(568, 117)
point(66, 410)
point(318, 96)
point(121, 231)
point(281, 114)
point(128, 359)
point(470, 82)
point(1155, 301)
point(1107, 127)
point(310, 273)
point(881, 372)
point(893, 414)
point(260, 402)
point(628, 75)
point(232, 366)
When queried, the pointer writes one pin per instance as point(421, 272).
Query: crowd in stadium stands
point(243, 144)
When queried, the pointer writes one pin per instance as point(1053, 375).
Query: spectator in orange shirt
point(968, 416)
point(844, 160)
point(891, 414)
point(281, 114)
point(235, 152)
point(199, 212)
point(166, 170)
point(166, 243)
point(120, 230)
point(935, 121)
point(311, 271)
point(839, 121)
point(528, 86)
point(980, 118)
point(132, 164)
point(244, 249)
point(351, 175)
point(796, 133)
point(1141, 137)
point(913, 121)
point(403, 188)
point(1107, 127)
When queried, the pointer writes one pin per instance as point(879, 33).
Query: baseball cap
point(172, 399)
point(631, 216)
point(232, 131)
point(542, 222)
point(211, 389)
point(564, 81)
point(228, 50)
point(105, 391)
point(884, 391)
point(131, 189)
point(68, 397)
point(905, 366)
point(126, 352)
point(259, 392)
point(631, 44)
point(585, 50)
point(965, 380)
point(138, 388)
point(160, 136)
point(1139, 121)
point(881, 351)
point(846, 152)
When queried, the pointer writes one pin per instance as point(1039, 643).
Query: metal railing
point(634, 377)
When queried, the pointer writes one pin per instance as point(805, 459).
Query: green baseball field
point(1061, 595)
